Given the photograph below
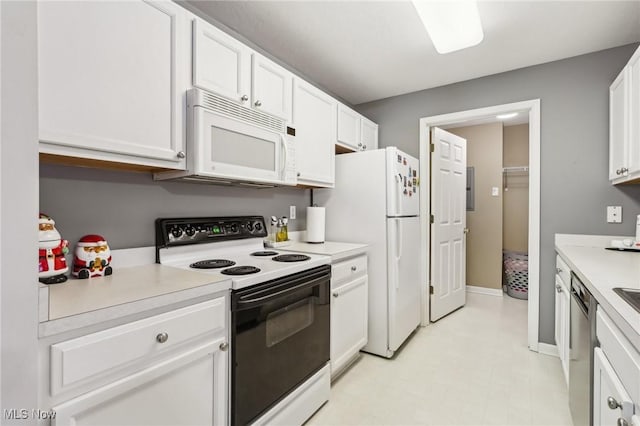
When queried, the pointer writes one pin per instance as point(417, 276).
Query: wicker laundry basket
point(516, 273)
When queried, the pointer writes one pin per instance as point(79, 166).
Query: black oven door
point(280, 337)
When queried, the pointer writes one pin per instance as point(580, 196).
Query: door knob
point(224, 346)
point(162, 337)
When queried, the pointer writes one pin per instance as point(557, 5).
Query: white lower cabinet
point(349, 311)
point(562, 314)
point(616, 376)
point(186, 389)
point(611, 402)
point(168, 369)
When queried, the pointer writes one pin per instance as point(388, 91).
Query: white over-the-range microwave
point(228, 143)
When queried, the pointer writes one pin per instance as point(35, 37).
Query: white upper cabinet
point(355, 132)
point(349, 127)
point(271, 89)
point(624, 123)
point(112, 81)
point(221, 64)
point(369, 134)
point(314, 118)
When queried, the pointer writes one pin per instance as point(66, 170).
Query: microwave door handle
point(286, 155)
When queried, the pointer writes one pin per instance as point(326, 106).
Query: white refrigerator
point(376, 201)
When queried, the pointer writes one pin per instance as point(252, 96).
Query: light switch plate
point(292, 212)
point(614, 214)
point(495, 191)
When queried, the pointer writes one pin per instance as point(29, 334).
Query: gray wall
point(18, 209)
point(574, 144)
point(122, 206)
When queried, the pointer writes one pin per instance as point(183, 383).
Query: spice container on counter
point(273, 230)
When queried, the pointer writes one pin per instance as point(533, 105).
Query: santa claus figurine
point(52, 266)
point(92, 257)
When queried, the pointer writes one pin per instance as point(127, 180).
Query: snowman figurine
point(52, 266)
point(92, 257)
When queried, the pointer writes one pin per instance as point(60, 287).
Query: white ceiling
point(368, 50)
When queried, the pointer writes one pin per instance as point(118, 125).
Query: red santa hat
point(46, 219)
point(92, 240)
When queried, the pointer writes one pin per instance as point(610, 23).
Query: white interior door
point(403, 248)
point(448, 208)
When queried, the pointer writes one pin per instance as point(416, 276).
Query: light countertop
point(601, 270)
point(129, 290)
point(336, 250)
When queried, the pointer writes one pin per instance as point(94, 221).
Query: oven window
point(239, 149)
point(289, 320)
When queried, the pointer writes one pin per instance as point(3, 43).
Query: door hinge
point(432, 148)
point(431, 219)
point(430, 289)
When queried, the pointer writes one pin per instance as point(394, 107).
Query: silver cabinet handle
point(335, 295)
point(224, 346)
point(558, 288)
point(298, 174)
point(618, 172)
point(244, 98)
point(181, 154)
point(360, 144)
point(613, 404)
point(622, 422)
point(162, 337)
point(354, 268)
point(623, 170)
point(258, 103)
point(558, 270)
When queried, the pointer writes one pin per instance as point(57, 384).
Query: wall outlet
point(495, 191)
point(614, 214)
point(292, 212)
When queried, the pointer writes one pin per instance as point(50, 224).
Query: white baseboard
point(547, 349)
point(483, 290)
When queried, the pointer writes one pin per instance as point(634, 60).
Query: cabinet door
point(369, 134)
point(314, 119)
point(187, 389)
point(349, 322)
point(565, 323)
point(221, 64)
point(618, 125)
point(272, 87)
point(349, 127)
point(634, 112)
point(559, 318)
point(112, 80)
point(611, 402)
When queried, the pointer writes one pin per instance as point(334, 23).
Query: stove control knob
point(190, 231)
point(176, 232)
point(258, 226)
point(249, 226)
point(234, 228)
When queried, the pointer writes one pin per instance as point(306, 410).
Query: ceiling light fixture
point(452, 25)
point(506, 116)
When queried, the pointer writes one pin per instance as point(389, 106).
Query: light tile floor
point(472, 367)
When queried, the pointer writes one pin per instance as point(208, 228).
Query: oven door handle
point(247, 301)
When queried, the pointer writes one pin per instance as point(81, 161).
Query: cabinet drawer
point(563, 270)
point(619, 351)
point(92, 356)
point(348, 269)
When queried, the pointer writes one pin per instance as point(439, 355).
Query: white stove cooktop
point(238, 251)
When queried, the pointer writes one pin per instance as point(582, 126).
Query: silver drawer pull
point(353, 268)
point(224, 346)
point(558, 270)
point(162, 337)
point(612, 403)
point(558, 288)
point(336, 294)
point(622, 422)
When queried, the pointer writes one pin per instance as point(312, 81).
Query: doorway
point(531, 109)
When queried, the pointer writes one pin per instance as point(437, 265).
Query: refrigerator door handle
point(398, 248)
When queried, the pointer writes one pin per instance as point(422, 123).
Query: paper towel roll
point(315, 224)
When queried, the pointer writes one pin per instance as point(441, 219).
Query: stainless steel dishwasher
point(582, 342)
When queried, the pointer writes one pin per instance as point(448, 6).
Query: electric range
point(224, 246)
